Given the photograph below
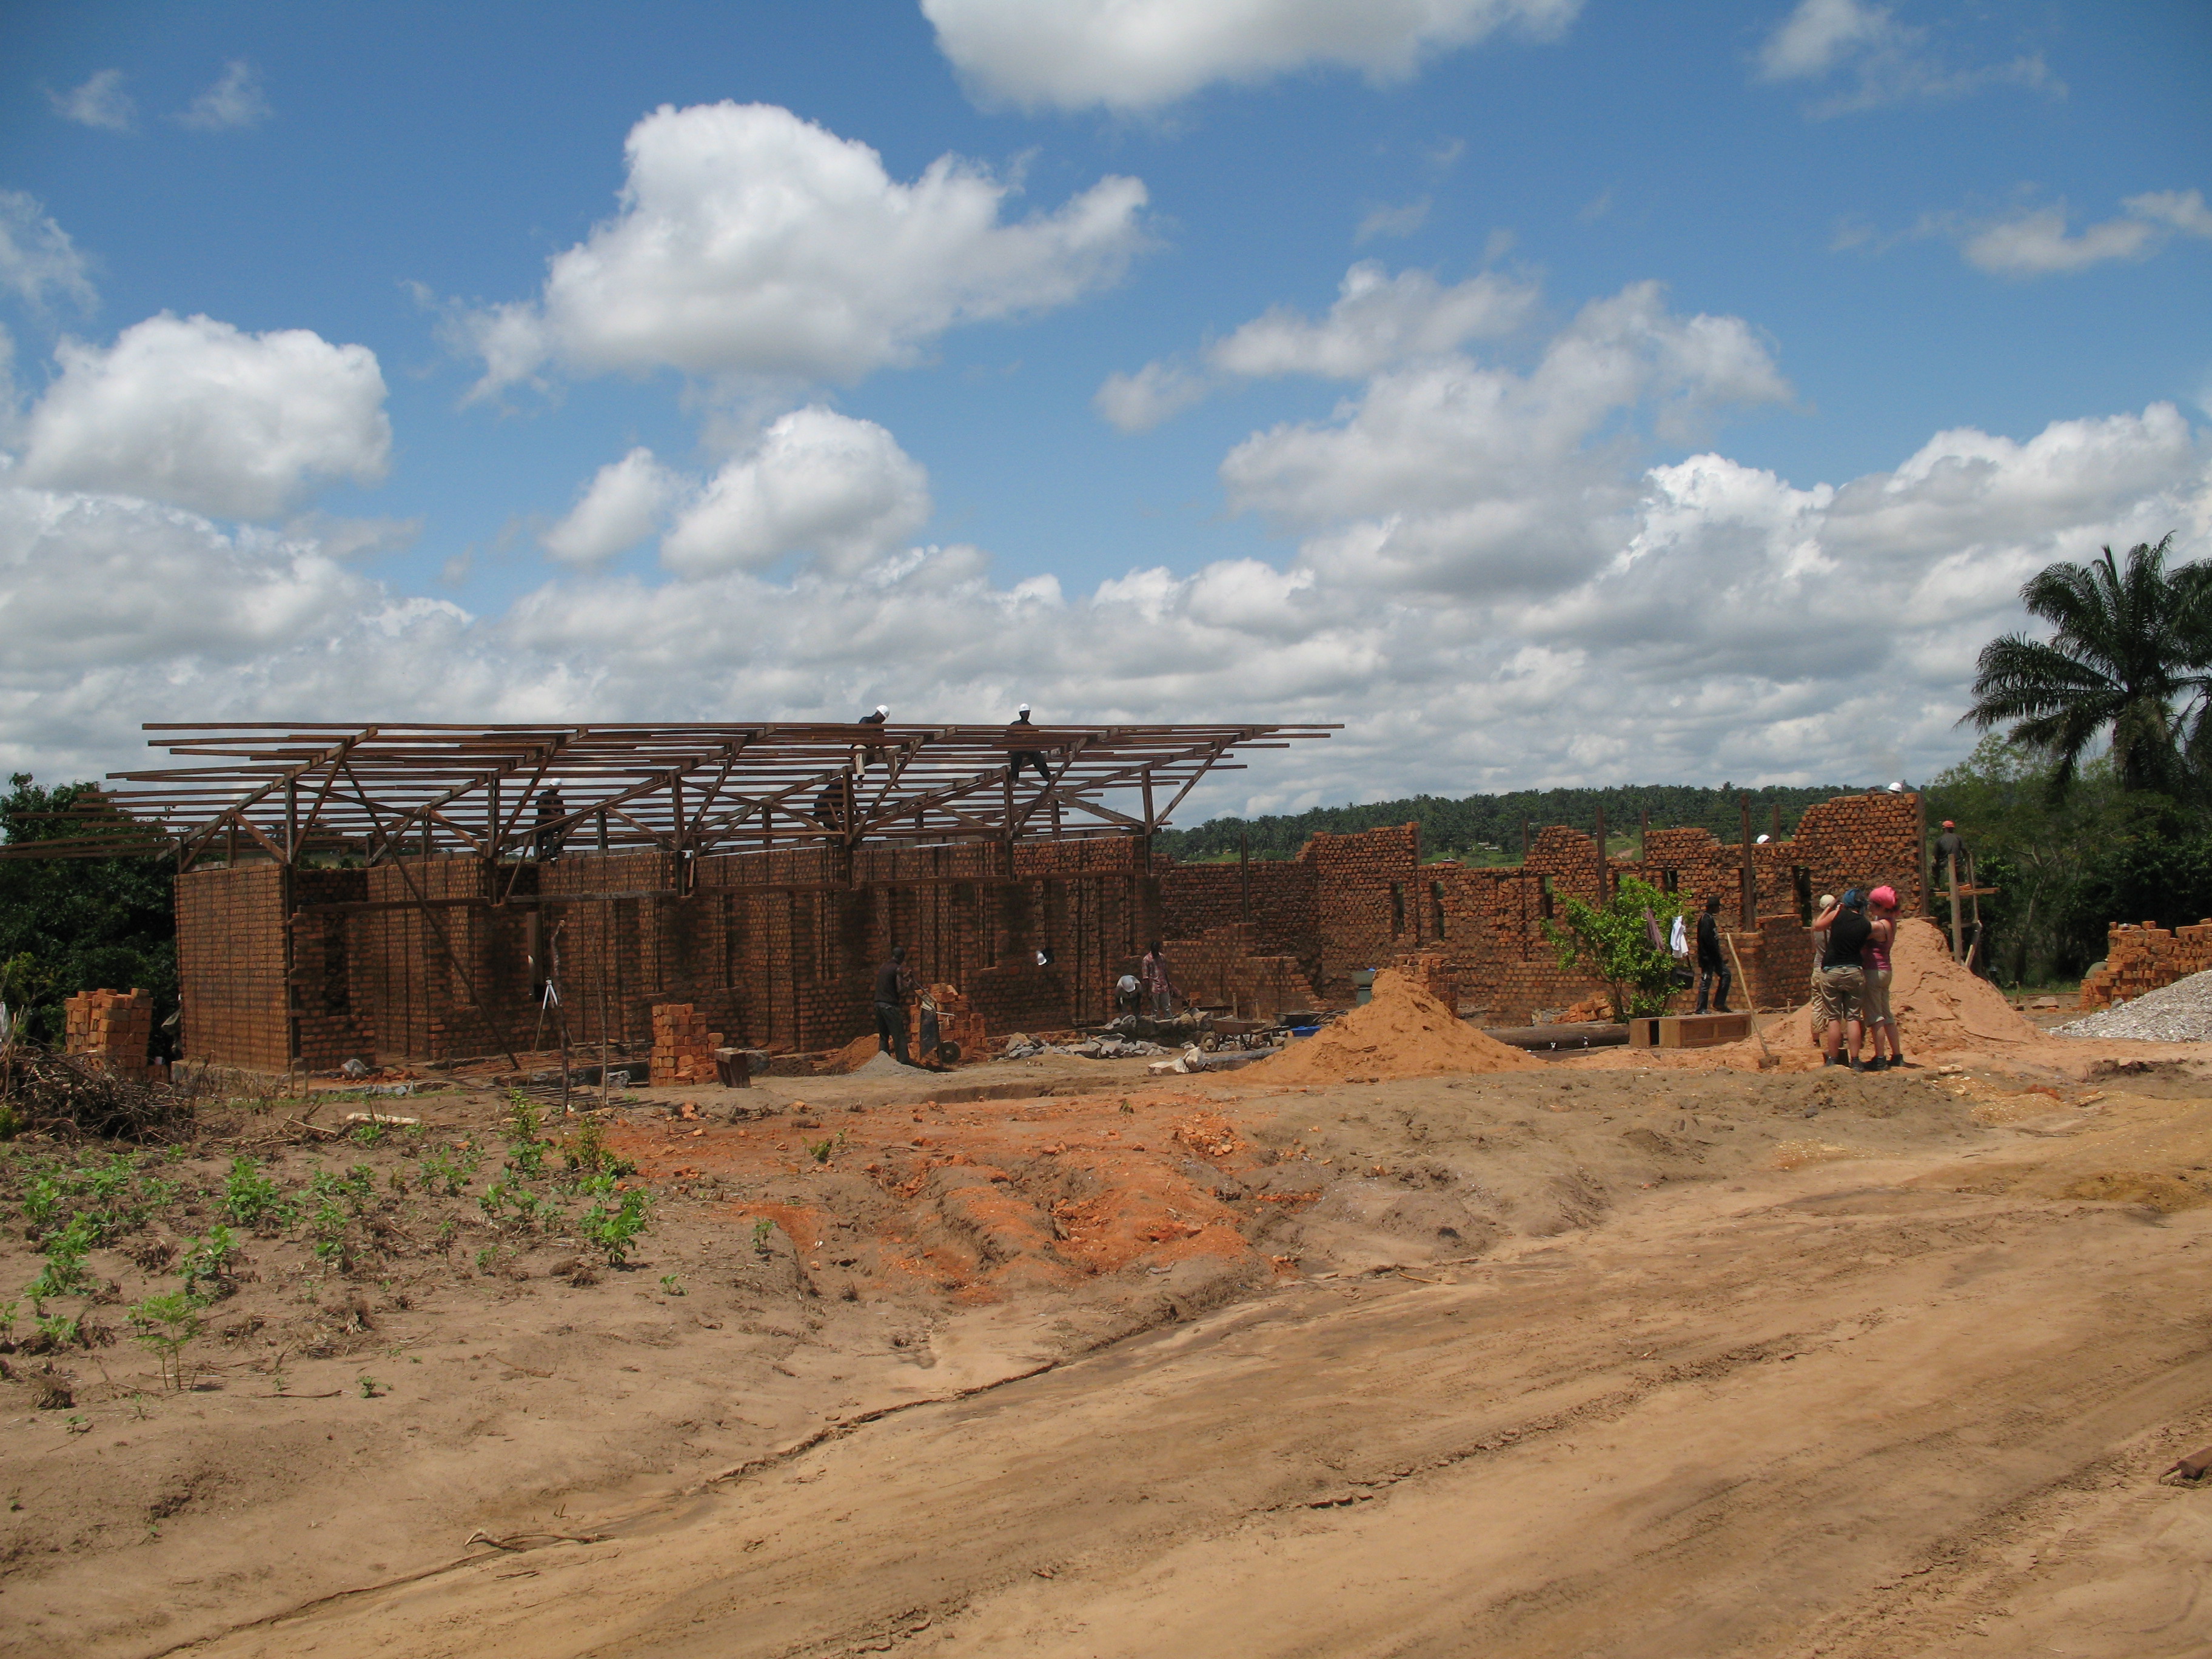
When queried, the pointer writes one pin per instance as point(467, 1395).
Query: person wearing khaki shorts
point(1820, 958)
point(1840, 992)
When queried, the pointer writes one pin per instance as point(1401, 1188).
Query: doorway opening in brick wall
point(1437, 907)
point(1543, 897)
point(1397, 908)
point(1801, 880)
point(1669, 880)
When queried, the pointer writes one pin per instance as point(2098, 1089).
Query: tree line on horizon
point(1488, 829)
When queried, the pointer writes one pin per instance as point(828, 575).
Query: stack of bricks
point(683, 1047)
point(112, 1030)
point(1432, 970)
point(2140, 959)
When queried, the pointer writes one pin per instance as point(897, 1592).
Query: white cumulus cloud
point(194, 412)
point(1139, 54)
point(1822, 34)
point(752, 243)
point(1139, 402)
point(234, 102)
point(1377, 319)
point(816, 482)
point(39, 263)
point(1449, 475)
point(1883, 60)
point(2037, 242)
point(619, 509)
point(99, 102)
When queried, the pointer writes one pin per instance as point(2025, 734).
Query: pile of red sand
point(1940, 1009)
point(853, 1055)
point(1403, 1032)
point(1940, 1006)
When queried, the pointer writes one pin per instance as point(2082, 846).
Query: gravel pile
point(2179, 1012)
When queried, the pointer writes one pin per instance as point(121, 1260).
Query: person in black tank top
point(1839, 988)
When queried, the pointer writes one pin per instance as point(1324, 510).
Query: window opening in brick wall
point(1801, 879)
point(1437, 907)
point(1543, 897)
point(1669, 880)
point(1397, 908)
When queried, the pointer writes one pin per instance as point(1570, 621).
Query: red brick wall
point(777, 949)
point(230, 967)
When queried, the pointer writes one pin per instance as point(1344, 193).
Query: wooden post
point(1149, 822)
point(1958, 934)
point(1750, 896)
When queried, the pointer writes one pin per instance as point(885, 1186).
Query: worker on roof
point(1020, 757)
point(862, 753)
point(549, 832)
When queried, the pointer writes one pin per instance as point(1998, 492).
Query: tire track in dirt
point(1542, 1458)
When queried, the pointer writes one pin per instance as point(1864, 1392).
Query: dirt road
point(1816, 1410)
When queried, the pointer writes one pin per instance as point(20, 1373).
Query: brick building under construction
point(410, 893)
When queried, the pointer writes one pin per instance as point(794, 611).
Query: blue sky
point(985, 350)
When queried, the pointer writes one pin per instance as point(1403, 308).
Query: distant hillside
point(1486, 829)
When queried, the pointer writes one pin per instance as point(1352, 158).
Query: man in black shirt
point(1839, 988)
point(1017, 758)
point(1713, 965)
point(894, 985)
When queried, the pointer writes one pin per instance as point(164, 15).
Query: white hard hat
point(1023, 709)
point(883, 708)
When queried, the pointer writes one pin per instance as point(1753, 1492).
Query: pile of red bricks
point(1432, 971)
point(683, 1047)
point(110, 1028)
point(2140, 959)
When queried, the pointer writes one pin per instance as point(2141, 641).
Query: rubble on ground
point(2179, 1012)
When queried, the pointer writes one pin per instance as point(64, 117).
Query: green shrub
point(614, 1227)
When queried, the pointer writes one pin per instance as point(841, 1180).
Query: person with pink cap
point(1880, 1024)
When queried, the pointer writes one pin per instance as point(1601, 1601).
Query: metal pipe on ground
point(1592, 1034)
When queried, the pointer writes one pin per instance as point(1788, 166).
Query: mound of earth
point(1941, 1008)
point(1403, 1032)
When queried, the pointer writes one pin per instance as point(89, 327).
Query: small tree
point(1613, 941)
point(166, 1325)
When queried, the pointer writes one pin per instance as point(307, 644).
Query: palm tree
point(2130, 652)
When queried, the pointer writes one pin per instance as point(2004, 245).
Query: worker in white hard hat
point(862, 754)
point(1018, 758)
